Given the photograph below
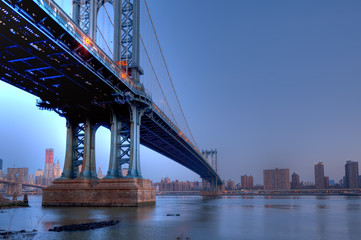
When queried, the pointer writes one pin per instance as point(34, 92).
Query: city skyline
point(284, 94)
point(273, 179)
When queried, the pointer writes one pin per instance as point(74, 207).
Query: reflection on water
point(282, 206)
point(353, 207)
point(235, 217)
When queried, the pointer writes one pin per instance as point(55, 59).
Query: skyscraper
point(39, 177)
point(319, 176)
point(57, 170)
point(295, 183)
point(351, 174)
point(100, 174)
point(1, 164)
point(276, 179)
point(49, 166)
point(246, 182)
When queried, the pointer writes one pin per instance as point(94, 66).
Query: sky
point(269, 84)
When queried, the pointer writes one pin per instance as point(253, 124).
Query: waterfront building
point(1, 173)
point(326, 180)
point(39, 177)
point(319, 176)
point(295, 183)
point(276, 179)
point(230, 185)
point(351, 174)
point(49, 166)
point(246, 182)
point(31, 179)
point(168, 185)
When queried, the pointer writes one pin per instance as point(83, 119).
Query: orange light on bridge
point(123, 76)
point(87, 40)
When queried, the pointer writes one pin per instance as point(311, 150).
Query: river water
point(251, 217)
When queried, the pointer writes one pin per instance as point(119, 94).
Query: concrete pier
point(120, 192)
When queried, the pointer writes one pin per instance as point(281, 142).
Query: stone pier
point(121, 192)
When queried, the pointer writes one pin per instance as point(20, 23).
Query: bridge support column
point(68, 163)
point(118, 141)
point(134, 161)
point(88, 167)
point(74, 151)
point(113, 190)
point(211, 188)
point(93, 19)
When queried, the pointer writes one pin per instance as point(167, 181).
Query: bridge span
point(46, 53)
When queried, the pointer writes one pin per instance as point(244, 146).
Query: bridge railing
point(68, 24)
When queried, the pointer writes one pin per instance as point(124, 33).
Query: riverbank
point(6, 203)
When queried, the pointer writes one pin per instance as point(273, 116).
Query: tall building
point(230, 185)
point(246, 182)
point(319, 176)
point(351, 174)
point(100, 174)
point(295, 183)
point(326, 180)
point(1, 173)
point(57, 171)
point(276, 179)
point(31, 179)
point(39, 177)
point(124, 172)
point(49, 166)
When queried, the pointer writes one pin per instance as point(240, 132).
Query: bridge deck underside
point(41, 57)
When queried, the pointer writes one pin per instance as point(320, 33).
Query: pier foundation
point(120, 192)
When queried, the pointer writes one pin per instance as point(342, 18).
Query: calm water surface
point(306, 217)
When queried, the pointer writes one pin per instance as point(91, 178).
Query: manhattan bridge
point(99, 63)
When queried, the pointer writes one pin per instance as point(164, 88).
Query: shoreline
point(299, 192)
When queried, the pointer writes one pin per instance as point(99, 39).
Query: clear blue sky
point(268, 83)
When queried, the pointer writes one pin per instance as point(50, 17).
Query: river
point(238, 217)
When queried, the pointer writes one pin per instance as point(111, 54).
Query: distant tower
point(100, 174)
point(57, 170)
point(351, 174)
point(211, 156)
point(49, 166)
point(319, 176)
point(39, 177)
point(295, 181)
point(1, 164)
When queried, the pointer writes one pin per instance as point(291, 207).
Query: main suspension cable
point(156, 77)
point(166, 66)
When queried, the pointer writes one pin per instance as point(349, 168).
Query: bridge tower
point(79, 172)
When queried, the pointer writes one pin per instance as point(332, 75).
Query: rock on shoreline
point(84, 226)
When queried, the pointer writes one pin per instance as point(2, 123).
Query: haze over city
point(272, 84)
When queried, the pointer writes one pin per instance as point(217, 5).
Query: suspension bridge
point(94, 76)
